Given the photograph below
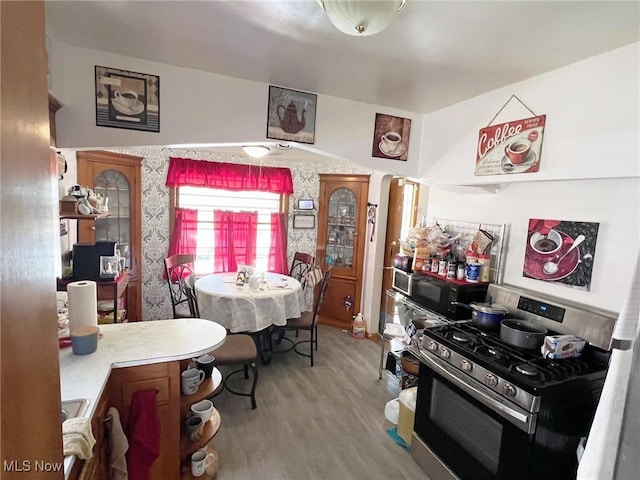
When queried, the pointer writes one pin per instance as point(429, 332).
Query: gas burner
point(526, 369)
point(496, 352)
point(461, 337)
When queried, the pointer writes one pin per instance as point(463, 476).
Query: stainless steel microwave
point(440, 295)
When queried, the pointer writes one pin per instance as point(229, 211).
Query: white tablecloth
point(241, 309)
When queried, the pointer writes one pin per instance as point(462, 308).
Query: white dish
point(389, 154)
point(136, 109)
point(509, 167)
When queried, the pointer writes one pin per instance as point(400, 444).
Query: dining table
point(269, 301)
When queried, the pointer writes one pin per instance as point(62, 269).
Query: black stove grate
point(485, 347)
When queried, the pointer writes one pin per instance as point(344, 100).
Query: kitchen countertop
point(133, 344)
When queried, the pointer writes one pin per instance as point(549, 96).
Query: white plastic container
point(392, 410)
point(407, 413)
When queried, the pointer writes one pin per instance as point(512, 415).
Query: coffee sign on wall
point(512, 147)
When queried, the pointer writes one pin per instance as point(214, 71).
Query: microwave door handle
point(524, 421)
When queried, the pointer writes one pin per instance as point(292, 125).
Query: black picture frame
point(304, 221)
point(306, 204)
point(291, 115)
point(126, 99)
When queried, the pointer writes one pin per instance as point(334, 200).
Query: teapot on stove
point(289, 118)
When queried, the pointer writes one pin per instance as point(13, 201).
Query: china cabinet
point(117, 178)
point(342, 218)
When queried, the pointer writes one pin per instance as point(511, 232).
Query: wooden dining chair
point(300, 266)
point(309, 321)
point(237, 349)
point(177, 268)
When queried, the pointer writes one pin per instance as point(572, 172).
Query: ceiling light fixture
point(256, 151)
point(361, 18)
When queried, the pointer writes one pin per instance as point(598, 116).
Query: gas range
point(488, 410)
point(518, 375)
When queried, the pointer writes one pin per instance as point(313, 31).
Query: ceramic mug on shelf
point(203, 409)
point(194, 426)
point(200, 461)
point(205, 363)
point(191, 380)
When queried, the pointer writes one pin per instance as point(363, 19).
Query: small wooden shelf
point(209, 474)
point(206, 390)
point(211, 428)
point(79, 216)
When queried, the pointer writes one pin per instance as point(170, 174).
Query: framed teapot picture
point(291, 115)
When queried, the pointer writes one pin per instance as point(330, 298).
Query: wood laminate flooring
point(325, 422)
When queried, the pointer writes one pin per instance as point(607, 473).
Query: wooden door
point(395, 219)
point(116, 177)
point(342, 218)
point(30, 380)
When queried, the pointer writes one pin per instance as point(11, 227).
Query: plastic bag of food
point(562, 346)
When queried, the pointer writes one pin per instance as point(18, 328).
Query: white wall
point(592, 125)
point(590, 162)
point(614, 203)
point(201, 107)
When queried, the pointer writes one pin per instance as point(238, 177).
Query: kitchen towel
point(118, 446)
point(83, 305)
point(143, 434)
point(77, 437)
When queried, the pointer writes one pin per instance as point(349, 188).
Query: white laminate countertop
point(132, 344)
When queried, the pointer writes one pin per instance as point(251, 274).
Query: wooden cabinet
point(117, 178)
point(165, 379)
point(173, 408)
point(342, 220)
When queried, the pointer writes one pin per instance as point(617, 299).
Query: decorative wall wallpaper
point(155, 206)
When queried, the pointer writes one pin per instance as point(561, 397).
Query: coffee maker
point(87, 264)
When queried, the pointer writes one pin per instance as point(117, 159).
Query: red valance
point(228, 176)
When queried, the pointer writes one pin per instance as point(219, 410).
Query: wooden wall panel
point(30, 382)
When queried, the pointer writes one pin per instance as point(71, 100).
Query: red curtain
point(235, 239)
point(228, 176)
point(278, 250)
point(183, 239)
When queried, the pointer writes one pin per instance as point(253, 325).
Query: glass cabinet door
point(341, 228)
point(116, 190)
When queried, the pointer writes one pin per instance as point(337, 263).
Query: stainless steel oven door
point(402, 282)
point(468, 429)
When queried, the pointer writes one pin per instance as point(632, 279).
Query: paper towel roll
point(83, 308)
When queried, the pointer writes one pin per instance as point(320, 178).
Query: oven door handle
point(524, 421)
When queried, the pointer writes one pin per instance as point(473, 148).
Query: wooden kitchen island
point(132, 357)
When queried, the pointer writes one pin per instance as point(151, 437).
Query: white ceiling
point(434, 54)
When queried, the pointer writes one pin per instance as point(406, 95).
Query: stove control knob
point(509, 390)
point(445, 352)
point(490, 379)
point(466, 365)
point(433, 346)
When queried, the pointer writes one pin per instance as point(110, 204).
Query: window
point(206, 200)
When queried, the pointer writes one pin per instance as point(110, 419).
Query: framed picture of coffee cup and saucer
point(127, 99)
point(391, 137)
point(510, 148)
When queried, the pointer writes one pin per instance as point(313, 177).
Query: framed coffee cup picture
point(127, 99)
point(391, 137)
point(510, 148)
